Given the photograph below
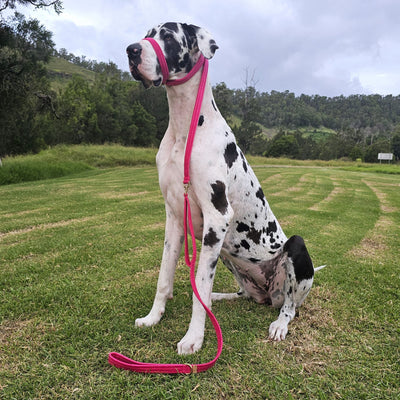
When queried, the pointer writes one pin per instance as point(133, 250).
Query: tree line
point(116, 109)
point(313, 127)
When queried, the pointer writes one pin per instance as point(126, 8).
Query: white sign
point(385, 156)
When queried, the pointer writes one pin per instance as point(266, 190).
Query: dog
point(230, 213)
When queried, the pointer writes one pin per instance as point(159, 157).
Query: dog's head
point(181, 45)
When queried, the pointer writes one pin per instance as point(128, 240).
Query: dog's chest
point(170, 159)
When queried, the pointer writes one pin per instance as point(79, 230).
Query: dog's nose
point(134, 51)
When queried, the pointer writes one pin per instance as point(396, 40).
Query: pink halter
point(119, 360)
point(164, 67)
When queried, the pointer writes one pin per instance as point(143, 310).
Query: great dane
point(231, 215)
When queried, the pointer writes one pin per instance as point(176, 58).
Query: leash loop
point(119, 360)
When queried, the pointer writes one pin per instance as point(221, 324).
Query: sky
point(323, 47)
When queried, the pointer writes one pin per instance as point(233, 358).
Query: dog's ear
point(205, 43)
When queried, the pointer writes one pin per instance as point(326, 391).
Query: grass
point(66, 160)
point(79, 259)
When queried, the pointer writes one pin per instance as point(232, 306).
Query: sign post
point(385, 157)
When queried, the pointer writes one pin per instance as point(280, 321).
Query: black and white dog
point(230, 214)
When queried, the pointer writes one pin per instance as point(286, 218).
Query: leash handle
point(119, 360)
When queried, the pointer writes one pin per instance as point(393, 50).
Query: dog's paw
point(148, 320)
point(278, 331)
point(189, 344)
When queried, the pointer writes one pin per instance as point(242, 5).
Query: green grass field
point(79, 259)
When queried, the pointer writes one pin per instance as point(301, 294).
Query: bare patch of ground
point(334, 192)
point(44, 227)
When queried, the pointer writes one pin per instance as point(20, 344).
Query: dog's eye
point(168, 37)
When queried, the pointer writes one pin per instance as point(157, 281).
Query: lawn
point(79, 259)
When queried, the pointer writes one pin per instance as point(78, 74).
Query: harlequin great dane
point(230, 214)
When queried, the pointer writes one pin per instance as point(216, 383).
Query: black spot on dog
point(254, 235)
point(185, 61)
point(201, 120)
point(260, 195)
point(218, 197)
point(190, 35)
point(151, 33)
point(254, 260)
point(244, 162)
point(171, 25)
point(271, 228)
point(172, 52)
point(297, 251)
point(230, 154)
point(210, 239)
point(213, 264)
point(213, 104)
point(245, 244)
point(242, 227)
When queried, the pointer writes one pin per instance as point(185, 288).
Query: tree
point(283, 145)
point(396, 145)
point(56, 4)
point(249, 110)
point(223, 97)
point(371, 153)
point(24, 47)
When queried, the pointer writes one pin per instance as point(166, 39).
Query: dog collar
point(164, 66)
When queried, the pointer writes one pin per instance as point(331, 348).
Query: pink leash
point(119, 360)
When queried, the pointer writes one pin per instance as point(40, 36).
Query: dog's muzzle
point(134, 52)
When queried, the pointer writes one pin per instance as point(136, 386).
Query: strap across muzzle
point(164, 66)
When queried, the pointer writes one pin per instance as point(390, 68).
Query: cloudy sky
point(304, 46)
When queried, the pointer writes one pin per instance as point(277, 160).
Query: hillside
point(61, 71)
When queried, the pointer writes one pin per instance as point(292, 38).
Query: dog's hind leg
point(298, 282)
point(227, 296)
point(230, 296)
point(172, 248)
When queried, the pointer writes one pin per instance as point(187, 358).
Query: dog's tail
point(319, 268)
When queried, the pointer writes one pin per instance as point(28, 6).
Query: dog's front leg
point(213, 237)
point(172, 248)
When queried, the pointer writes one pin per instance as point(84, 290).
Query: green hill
point(61, 71)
